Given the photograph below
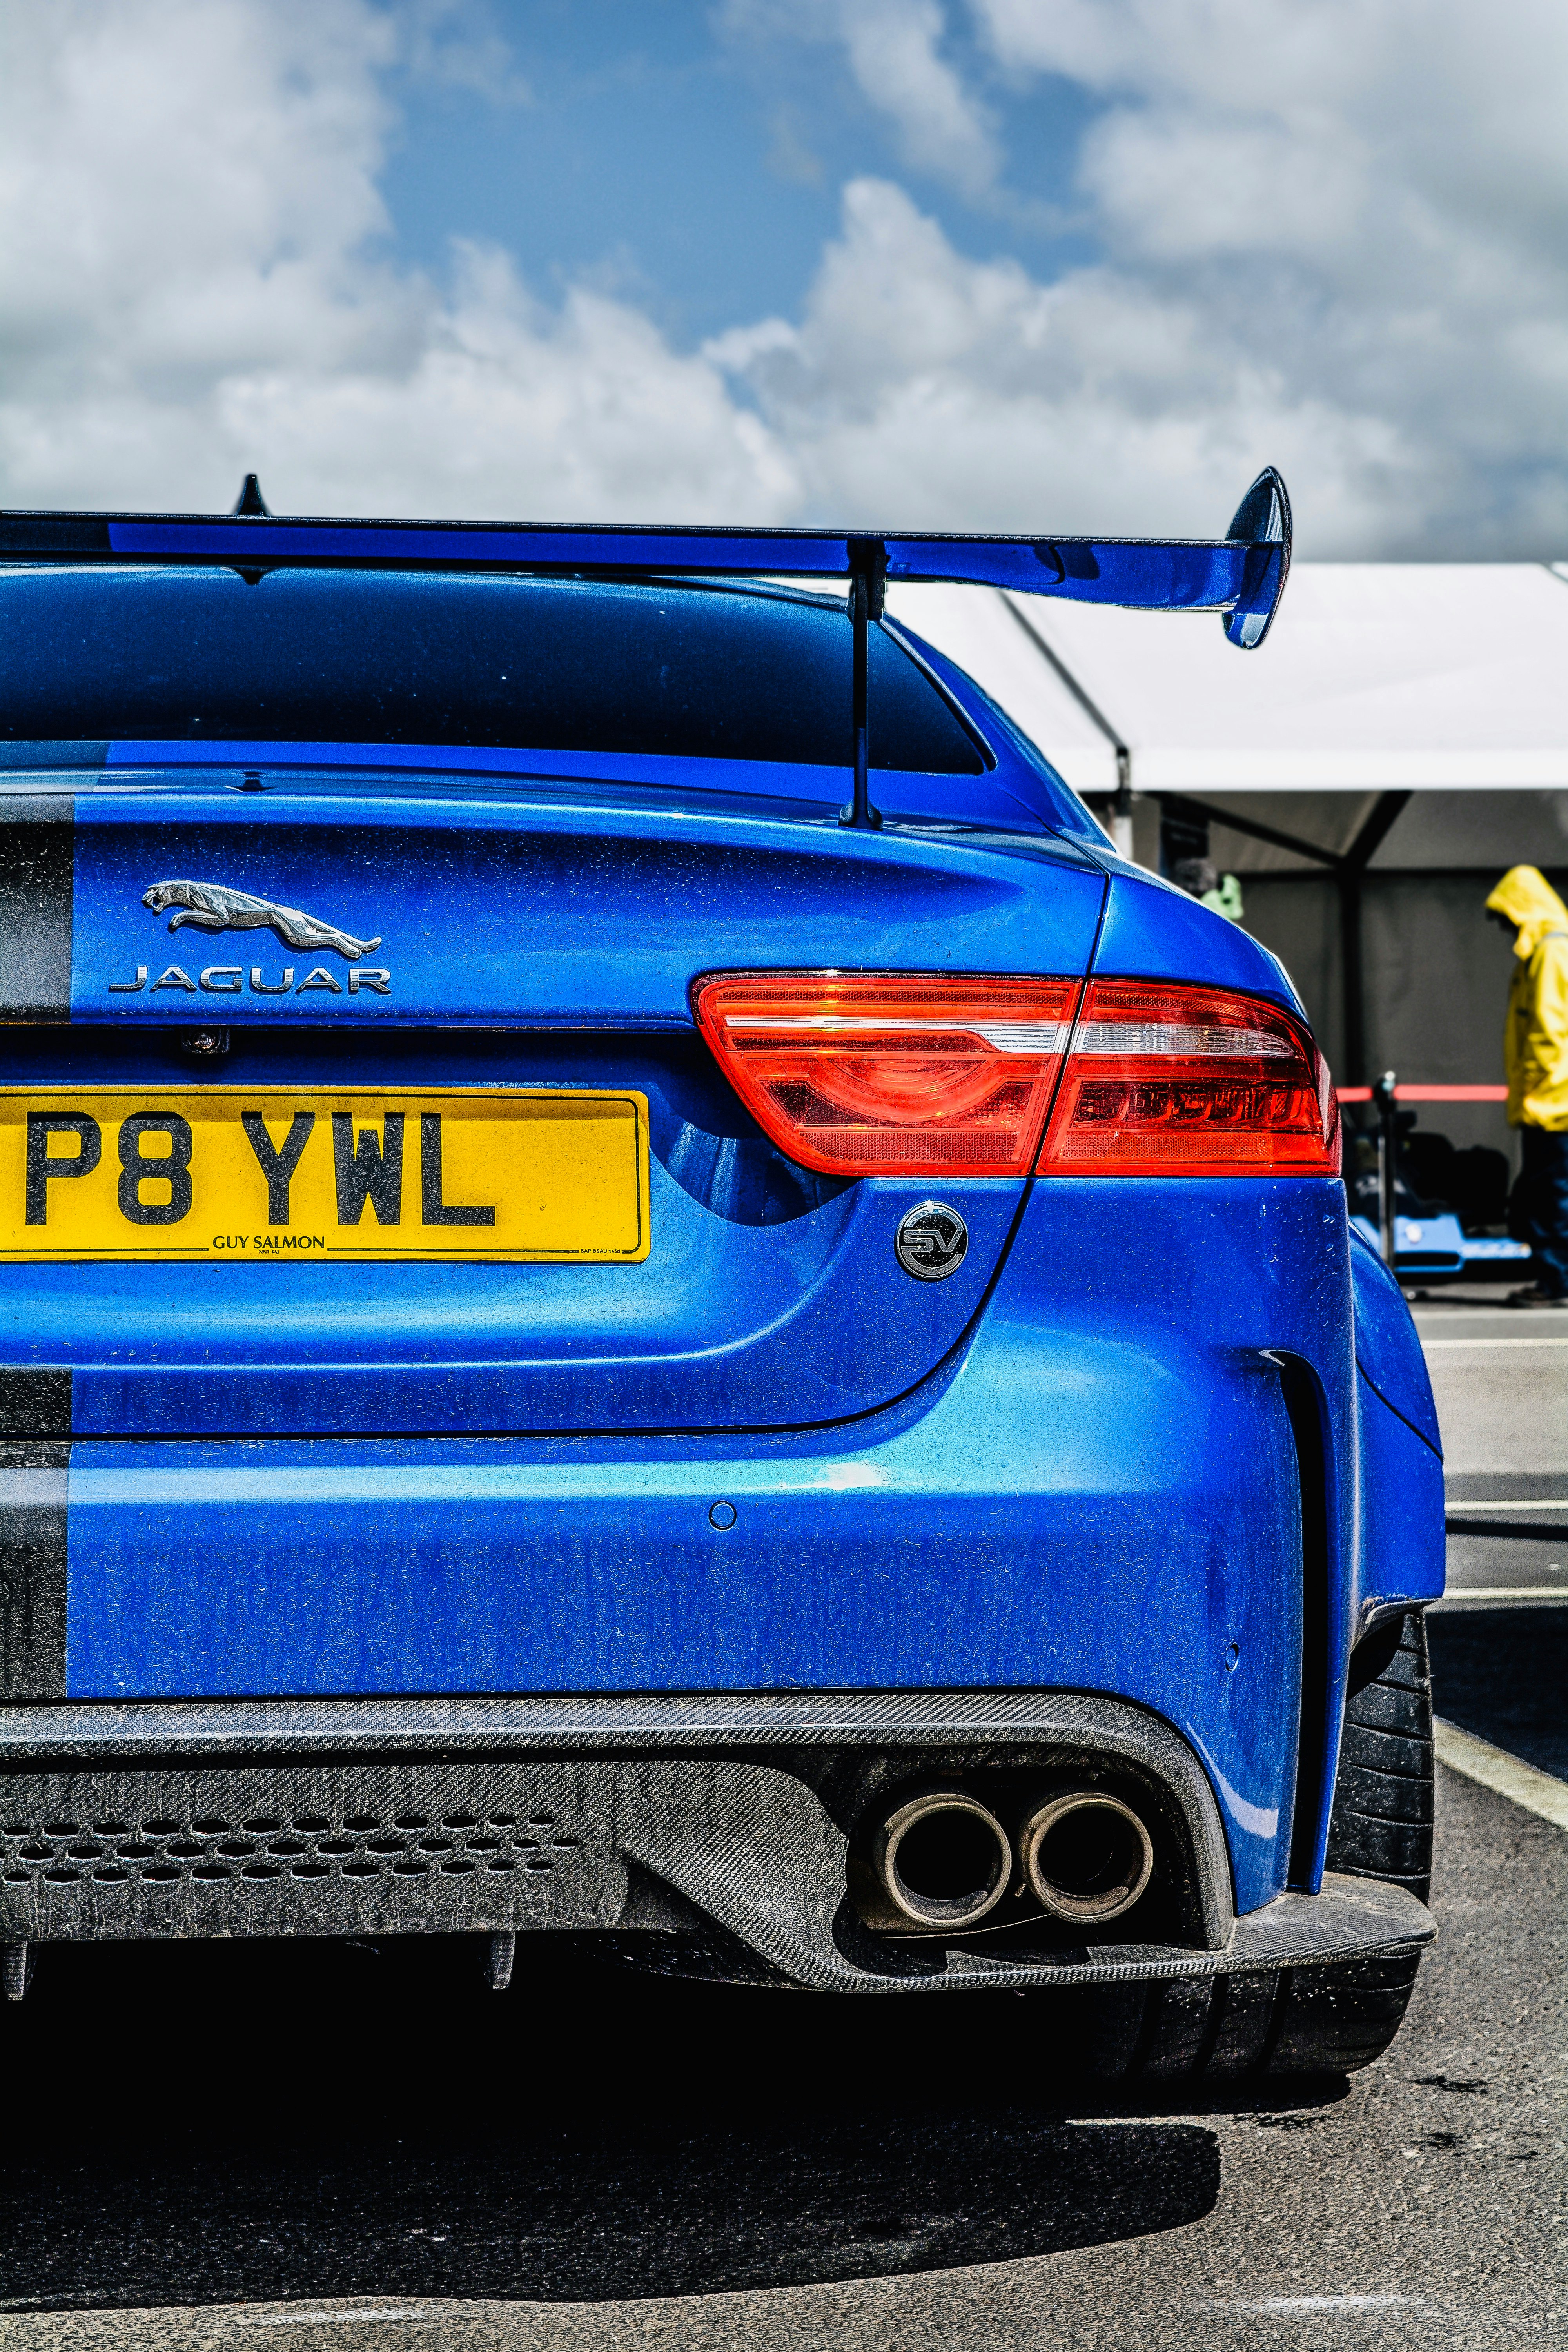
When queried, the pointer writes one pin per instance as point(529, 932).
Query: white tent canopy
point(1375, 677)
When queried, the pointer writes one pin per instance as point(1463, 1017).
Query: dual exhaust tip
point(943, 1859)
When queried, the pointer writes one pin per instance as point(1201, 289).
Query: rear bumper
point(1101, 1490)
point(709, 1832)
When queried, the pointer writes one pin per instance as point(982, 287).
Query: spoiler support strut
point(868, 595)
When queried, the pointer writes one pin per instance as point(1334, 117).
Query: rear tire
point(1308, 2020)
point(1382, 1822)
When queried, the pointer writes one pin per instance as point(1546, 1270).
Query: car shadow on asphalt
point(228, 2124)
point(1501, 1673)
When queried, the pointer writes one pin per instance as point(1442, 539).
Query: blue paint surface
point(1098, 1492)
point(1026, 797)
point(525, 910)
point(1403, 1551)
point(1153, 931)
point(1387, 1346)
point(734, 1324)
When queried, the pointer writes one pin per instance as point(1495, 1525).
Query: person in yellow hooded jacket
point(1536, 1059)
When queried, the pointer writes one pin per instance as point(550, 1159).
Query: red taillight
point(891, 1073)
point(1175, 1081)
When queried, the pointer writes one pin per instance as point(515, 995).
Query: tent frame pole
point(1351, 874)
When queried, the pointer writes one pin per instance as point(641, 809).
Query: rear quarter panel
point(1402, 1545)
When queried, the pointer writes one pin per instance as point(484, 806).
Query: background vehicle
point(1450, 1208)
point(622, 1324)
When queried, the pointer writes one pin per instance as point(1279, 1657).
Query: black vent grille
point(316, 1849)
point(210, 1850)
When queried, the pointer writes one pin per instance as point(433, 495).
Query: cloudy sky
point(1011, 263)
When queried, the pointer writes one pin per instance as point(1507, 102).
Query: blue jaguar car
point(648, 1297)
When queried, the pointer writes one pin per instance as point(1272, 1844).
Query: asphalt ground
point(205, 2145)
point(1500, 1381)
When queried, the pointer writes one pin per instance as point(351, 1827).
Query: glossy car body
point(617, 1598)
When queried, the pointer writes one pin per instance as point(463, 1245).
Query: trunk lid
point(458, 933)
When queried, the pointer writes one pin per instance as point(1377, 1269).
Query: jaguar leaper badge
point(212, 907)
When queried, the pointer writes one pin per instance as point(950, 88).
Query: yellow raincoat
point(1535, 1034)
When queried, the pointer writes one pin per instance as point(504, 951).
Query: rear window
point(503, 663)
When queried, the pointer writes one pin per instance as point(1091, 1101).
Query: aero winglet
point(1263, 520)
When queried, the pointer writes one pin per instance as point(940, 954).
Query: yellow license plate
point(287, 1172)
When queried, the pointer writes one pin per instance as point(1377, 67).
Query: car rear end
point(592, 1349)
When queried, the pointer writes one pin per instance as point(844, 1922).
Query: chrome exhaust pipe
point(941, 1859)
point(1086, 1855)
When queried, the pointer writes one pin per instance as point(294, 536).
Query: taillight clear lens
point(891, 1073)
point(1169, 1081)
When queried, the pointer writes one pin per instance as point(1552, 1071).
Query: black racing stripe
point(35, 1401)
point(33, 1562)
point(37, 841)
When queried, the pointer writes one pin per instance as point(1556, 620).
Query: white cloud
point(1374, 195)
point(509, 408)
point(1360, 274)
point(192, 283)
point(894, 50)
point(892, 47)
point(924, 387)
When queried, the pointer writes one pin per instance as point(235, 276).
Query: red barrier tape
point(1428, 1094)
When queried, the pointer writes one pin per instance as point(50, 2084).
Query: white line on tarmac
point(1431, 1345)
point(1503, 1592)
point(1504, 1596)
point(1455, 1505)
point(1303, 2304)
point(327, 2318)
point(1495, 1769)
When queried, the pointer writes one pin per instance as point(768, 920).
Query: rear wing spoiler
point(1241, 576)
